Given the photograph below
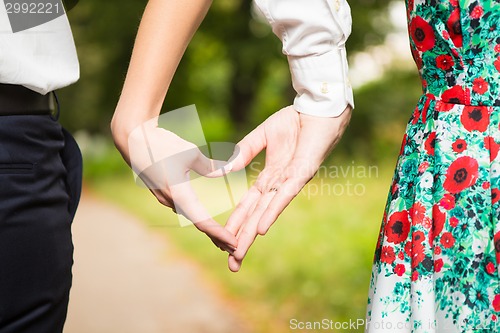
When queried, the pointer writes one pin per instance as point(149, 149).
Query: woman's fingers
point(187, 203)
point(242, 210)
point(222, 238)
point(207, 167)
point(219, 236)
point(233, 264)
point(248, 233)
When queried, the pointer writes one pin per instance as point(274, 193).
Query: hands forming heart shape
point(296, 144)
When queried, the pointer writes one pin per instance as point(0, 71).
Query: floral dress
point(437, 257)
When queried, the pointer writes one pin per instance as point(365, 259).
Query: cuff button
point(337, 5)
point(324, 88)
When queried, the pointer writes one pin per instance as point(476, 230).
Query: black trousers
point(40, 185)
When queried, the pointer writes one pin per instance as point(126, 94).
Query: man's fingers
point(284, 195)
point(245, 240)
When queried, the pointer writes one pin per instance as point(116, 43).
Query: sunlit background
point(315, 262)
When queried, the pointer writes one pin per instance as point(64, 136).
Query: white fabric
point(42, 58)
point(314, 33)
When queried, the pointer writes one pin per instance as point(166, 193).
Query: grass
point(314, 264)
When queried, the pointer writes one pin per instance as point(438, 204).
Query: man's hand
point(296, 144)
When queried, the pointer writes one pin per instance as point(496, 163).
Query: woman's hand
point(163, 161)
point(296, 144)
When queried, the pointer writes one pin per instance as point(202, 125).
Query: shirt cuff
point(321, 82)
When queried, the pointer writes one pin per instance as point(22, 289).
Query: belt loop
point(55, 115)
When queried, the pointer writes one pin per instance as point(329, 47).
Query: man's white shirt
point(314, 33)
point(42, 58)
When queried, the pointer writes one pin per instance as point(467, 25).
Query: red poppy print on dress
point(403, 144)
point(496, 303)
point(394, 188)
point(461, 174)
point(459, 146)
point(423, 166)
point(387, 255)
point(497, 64)
point(490, 268)
point(456, 95)
point(430, 143)
point(454, 222)
point(416, 116)
point(448, 201)
point(425, 110)
point(479, 85)
point(447, 240)
point(398, 227)
point(438, 265)
point(455, 28)
point(418, 237)
point(399, 269)
point(492, 146)
point(417, 213)
point(411, 3)
point(495, 195)
point(444, 62)
point(477, 12)
point(417, 254)
point(408, 246)
point(422, 34)
point(439, 218)
point(497, 246)
point(475, 118)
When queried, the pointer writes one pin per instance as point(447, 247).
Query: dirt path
point(126, 282)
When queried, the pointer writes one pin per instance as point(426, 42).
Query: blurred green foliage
point(382, 109)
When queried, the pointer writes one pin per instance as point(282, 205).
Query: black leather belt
point(19, 100)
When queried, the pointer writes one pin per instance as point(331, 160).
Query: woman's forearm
point(166, 28)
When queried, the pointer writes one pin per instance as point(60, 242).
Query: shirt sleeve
point(313, 33)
